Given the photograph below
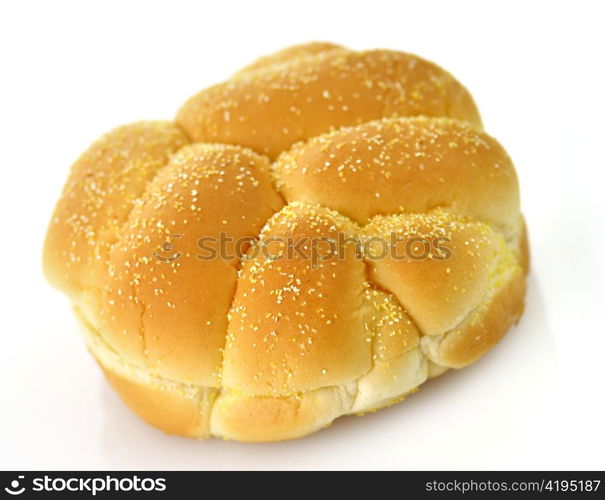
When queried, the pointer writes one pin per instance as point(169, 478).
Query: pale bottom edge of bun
point(201, 412)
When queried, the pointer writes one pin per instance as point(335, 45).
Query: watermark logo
point(315, 249)
point(15, 487)
point(166, 251)
point(92, 485)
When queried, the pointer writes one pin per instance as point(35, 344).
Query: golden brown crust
point(201, 341)
point(162, 311)
point(442, 268)
point(296, 325)
point(165, 408)
point(483, 328)
point(266, 418)
point(270, 109)
point(401, 165)
point(99, 194)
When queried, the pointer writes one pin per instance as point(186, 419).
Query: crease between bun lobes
point(312, 143)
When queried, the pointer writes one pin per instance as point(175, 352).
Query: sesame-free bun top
point(315, 143)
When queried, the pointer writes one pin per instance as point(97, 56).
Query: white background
point(70, 71)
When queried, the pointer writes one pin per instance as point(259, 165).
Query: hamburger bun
point(315, 237)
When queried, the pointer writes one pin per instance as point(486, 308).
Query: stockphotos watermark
point(315, 249)
point(88, 485)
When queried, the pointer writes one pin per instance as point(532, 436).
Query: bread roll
point(315, 237)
